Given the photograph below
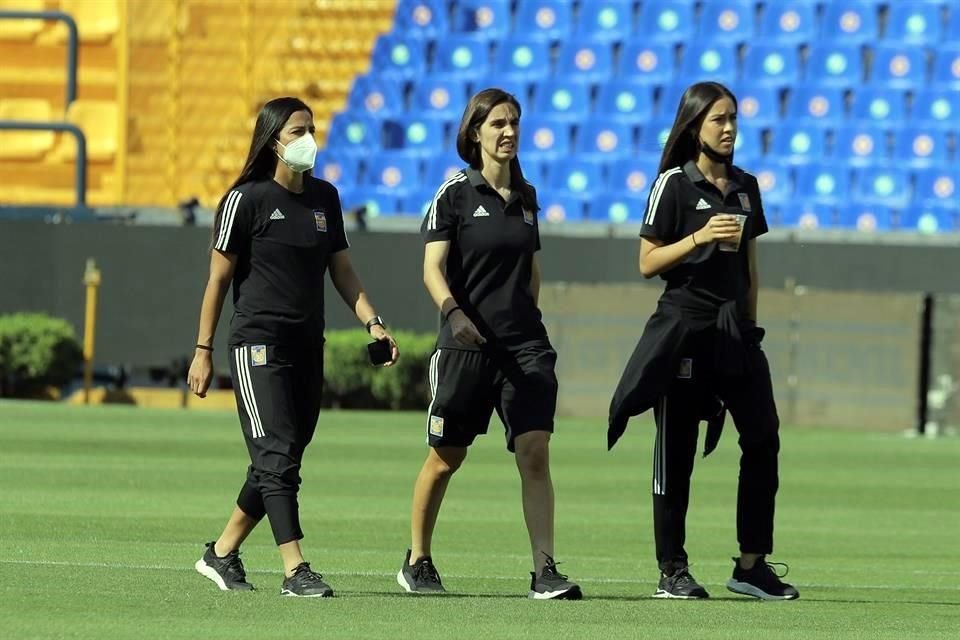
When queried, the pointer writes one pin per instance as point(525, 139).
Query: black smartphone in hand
point(380, 352)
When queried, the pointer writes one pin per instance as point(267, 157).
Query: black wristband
point(693, 236)
point(204, 347)
point(452, 309)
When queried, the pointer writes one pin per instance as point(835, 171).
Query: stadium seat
point(25, 145)
point(341, 171)
point(422, 18)
point(774, 181)
point(665, 21)
point(927, 219)
point(376, 204)
point(936, 108)
point(879, 105)
point(461, 58)
point(822, 183)
point(557, 208)
point(914, 23)
point(799, 143)
point(520, 89)
point(628, 102)
point(399, 57)
point(899, 66)
point(946, 65)
point(834, 65)
point(789, 22)
point(534, 170)
point(669, 101)
point(771, 65)
point(393, 174)
point(920, 147)
point(645, 63)
point(484, 19)
point(562, 99)
point(634, 175)
point(731, 21)
point(937, 187)
point(417, 202)
point(376, 96)
point(887, 186)
point(442, 99)
point(805, 215)
point(585, 61)
point(757, 107)
point(861, 145)
point(653, 136)
point(850, 21)
point(98, 119)
point(748, 146)
point(440, 167)
point(544, 138)
point(816, 104)
point(716, 61)
point(605, 20)
point(868, 218)
point(354, 134)
point(544, 19)
point(522, 59)
point(616, 207)
point(23, 30)
point(601, 139)
point(415, 136)
point(576, 178)
point(96, 21)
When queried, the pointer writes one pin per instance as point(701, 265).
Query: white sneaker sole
point(291, 594)
point(666, 595)
point(573, 593)
point(406, 587)
point(747, 589)
point(207, 572)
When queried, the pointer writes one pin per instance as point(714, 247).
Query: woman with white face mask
point(277, 231)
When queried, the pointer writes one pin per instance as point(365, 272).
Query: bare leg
point(238, 528)
point(428, 492)
point(533, 462)
point(291, 555)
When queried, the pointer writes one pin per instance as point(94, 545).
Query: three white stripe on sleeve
point(226, 220)
point(244, 382)
point(432, 212)
point(658, 188)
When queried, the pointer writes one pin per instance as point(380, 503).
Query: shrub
point(36, 351)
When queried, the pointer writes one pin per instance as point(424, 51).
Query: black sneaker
point(305, 583)
point(226, 572)
point(421, 577)
point(761, 581)
point(680, 586)
point(553, 585)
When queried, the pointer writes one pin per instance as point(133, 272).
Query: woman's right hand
point(201, 373)
point(463, 329)
point(719, 228)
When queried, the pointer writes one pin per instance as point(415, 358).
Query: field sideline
point(103, 512)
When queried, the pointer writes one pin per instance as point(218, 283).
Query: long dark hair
point(261, 159)
point(683, 143)
point(474, 115)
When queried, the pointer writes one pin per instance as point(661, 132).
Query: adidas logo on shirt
point(703, 204)
point(277, 215)
point(481, 212)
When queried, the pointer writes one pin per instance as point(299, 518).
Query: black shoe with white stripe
point(553, 585)
point(226, 572)
point(305, 583)
point(419, 577)
point(680, 586)
point(761, 581)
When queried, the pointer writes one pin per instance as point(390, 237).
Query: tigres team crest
point(529, 216)
point(258, 355)
point(436, 426)
point(321, 218)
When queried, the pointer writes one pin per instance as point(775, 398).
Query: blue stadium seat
point(341, 171)
point(520, 89)
point(937, 187)
point(415, 136)
point(562, 100)
point(920, 147)
point(816, 104)
point(879, 105)
point(850, 21)
point(946, 64)
point(899, 66)
point(544, 138)
point(544, 19)
point(534, 169)
point(376, 96)
point(461, 58)
point(669, 101)
point(625, 102)
point(354, 134)
point(393, 174)
point(557, 208)
point(936, 108)
point(605, 20)
point(928, 219)
point(377, 204)
point(616, 207)
point(646, 63)
point(748, 146)
point(834, 65)
point(422, 18)
point(861, 145)
point(757, 107)
point(653, 136)
point(914, 23)
point(633, 175)
point(439, 167)
point(716, 61)
point(799, 143)
point(601, 139)
point(865, 217)
point(585, 61)
point(522, 59)
point(822, 183)
point(576, 178)
point(417, 202)
point(439, 98)
point(789, 22)
point(806, 215)
point(771, 65)
point(774, 180)
point(399, 57)
point(731, 21)
point(887, 186)
point(483, 19)
point(666, 21)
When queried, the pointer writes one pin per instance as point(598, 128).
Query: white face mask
point(300, 154)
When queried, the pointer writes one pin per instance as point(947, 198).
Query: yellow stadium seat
point(25, 145)
point(20, 29)
point(98, 121)
point(97, 20)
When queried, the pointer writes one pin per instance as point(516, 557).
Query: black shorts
point(466, 387)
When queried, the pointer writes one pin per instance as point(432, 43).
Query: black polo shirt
point(680, 202)
point(489, 265)
point(283, 242)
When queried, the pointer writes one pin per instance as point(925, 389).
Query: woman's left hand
point(377, 332)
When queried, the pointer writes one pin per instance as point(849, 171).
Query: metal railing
point(72, 43)
point(80, 186)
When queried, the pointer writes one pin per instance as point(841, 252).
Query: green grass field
point(103, 512)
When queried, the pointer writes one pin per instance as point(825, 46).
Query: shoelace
point(550, 568)
point(771, 568)
point(306, 574)
point(682, 578)
point(426, 572)
point(235, 566)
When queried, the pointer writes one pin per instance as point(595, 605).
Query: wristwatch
point(372, 322)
